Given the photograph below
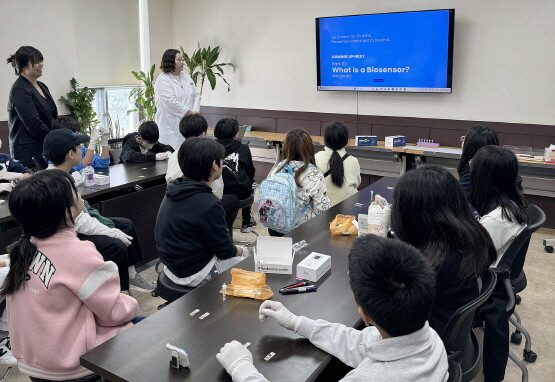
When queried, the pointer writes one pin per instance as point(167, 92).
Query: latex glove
point(7, 175)
point(95, 137)
point(245, 252)
point(104, 136)
point(163, 156)
point(280, 313)
point(233, 356)
point(6, 187)
point(119, 234)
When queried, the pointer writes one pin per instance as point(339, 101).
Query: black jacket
point(238, 172)
point(190, 228)
point(30, 117)
point(131, 151)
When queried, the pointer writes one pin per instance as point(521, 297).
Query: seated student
point(393, 287)
point(312, 197)
point(191, 231)
point(341, 170)
point(143, 146)
point(431, 213)
point(76, 302)
point(10, 171)
point(238, 172)
point(114, 238)
point(88, 155)
point(476, 137)
point(498, 199)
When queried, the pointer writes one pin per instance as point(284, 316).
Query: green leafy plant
point(143, 96)
point(202, 64)
point(79, 103)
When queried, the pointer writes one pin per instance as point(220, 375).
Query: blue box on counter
point(395, 140)
point(366, 140)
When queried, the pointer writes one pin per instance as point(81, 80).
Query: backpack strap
point(342, 160)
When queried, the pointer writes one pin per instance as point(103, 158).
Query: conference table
point(139, 354)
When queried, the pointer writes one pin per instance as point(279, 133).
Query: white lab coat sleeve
point(248, 373)
point(196, 102)
point(85, 224)
point(347, 344)
point(166, 95)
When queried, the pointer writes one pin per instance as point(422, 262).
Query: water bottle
point(88, 175)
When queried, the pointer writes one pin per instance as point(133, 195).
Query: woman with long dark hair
point(63, 299)
point(176, 96)
point(476, 137)
point(298, 154)
point(341, 170)
point(496, 195)
point(430, 212)
point(31, 108)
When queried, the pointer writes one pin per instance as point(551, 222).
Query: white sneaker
point(139, 283)
point(6, 356)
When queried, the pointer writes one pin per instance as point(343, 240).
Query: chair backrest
point(515, 255)
point(40, 162)
point(456, 335)
point(455, 371)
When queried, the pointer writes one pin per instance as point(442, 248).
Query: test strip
point(247, 344)
point(204, 316)
point(269, 356)
point(194, 312)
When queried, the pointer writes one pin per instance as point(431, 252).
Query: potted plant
point(202, 64)
point(79, 104)
point(143, 96)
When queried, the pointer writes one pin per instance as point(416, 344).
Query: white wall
point(503, 57)
point(97, 42)
point(161, 29)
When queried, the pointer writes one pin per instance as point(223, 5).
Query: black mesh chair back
point(40, 162)
point(455, 371)
point(458, 336)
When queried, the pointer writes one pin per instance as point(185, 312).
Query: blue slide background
point(416, 39)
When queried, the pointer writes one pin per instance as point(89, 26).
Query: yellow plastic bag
point(343, 225)
point(248, 284)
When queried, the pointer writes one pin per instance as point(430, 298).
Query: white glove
point(118, 234)
point(104, 136)
point(6, 187)
point(95, 137)
point(245, 252)
point(233, 356)
point(280, 313)
point(163, 156)
point(8, 175)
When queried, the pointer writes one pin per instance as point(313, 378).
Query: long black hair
point(431, 213)
point(493, 177)
point(40, 204)
point(476, 137)
point(23, 56)
point(336, 137)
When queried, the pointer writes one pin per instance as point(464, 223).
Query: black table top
point(121, 176)
point(139, 354)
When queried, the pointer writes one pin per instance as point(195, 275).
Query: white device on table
point(178, 356)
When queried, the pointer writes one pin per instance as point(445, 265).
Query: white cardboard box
point(274, 255)
point(313, 266)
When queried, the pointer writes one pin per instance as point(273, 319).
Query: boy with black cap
point(114, 238)
point(143, 146)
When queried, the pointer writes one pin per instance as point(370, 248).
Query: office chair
point(455, 370)
point(459, 337)
point(511, 264)
point(40, 162)
point(167, 289)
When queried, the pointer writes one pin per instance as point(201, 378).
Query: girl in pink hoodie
point(63, 299)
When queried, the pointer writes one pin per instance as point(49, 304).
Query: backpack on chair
point(277, 203)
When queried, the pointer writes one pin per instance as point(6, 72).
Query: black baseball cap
point(61, 141)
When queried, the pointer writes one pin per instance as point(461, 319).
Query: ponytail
point(336, 137)
point(22, 252)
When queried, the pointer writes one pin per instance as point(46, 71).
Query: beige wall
point(160, 17)
point(503, 58)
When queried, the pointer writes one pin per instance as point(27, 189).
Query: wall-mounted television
point(386, 52)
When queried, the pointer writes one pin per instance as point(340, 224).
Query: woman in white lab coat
point(176, 95)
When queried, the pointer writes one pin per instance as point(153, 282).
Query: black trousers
point(115, 250)
point(275, 233)
point(230, 203)
point(496, 333)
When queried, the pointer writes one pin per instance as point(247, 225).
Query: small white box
point(313, 266)
point(274, 255)
point(101, 179)
point(395, 141)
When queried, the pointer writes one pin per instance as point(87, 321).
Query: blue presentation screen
point(401, 52)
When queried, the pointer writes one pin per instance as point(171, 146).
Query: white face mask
point(147, 146)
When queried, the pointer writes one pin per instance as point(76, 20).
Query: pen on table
point(297, 284)
point(308, 288)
